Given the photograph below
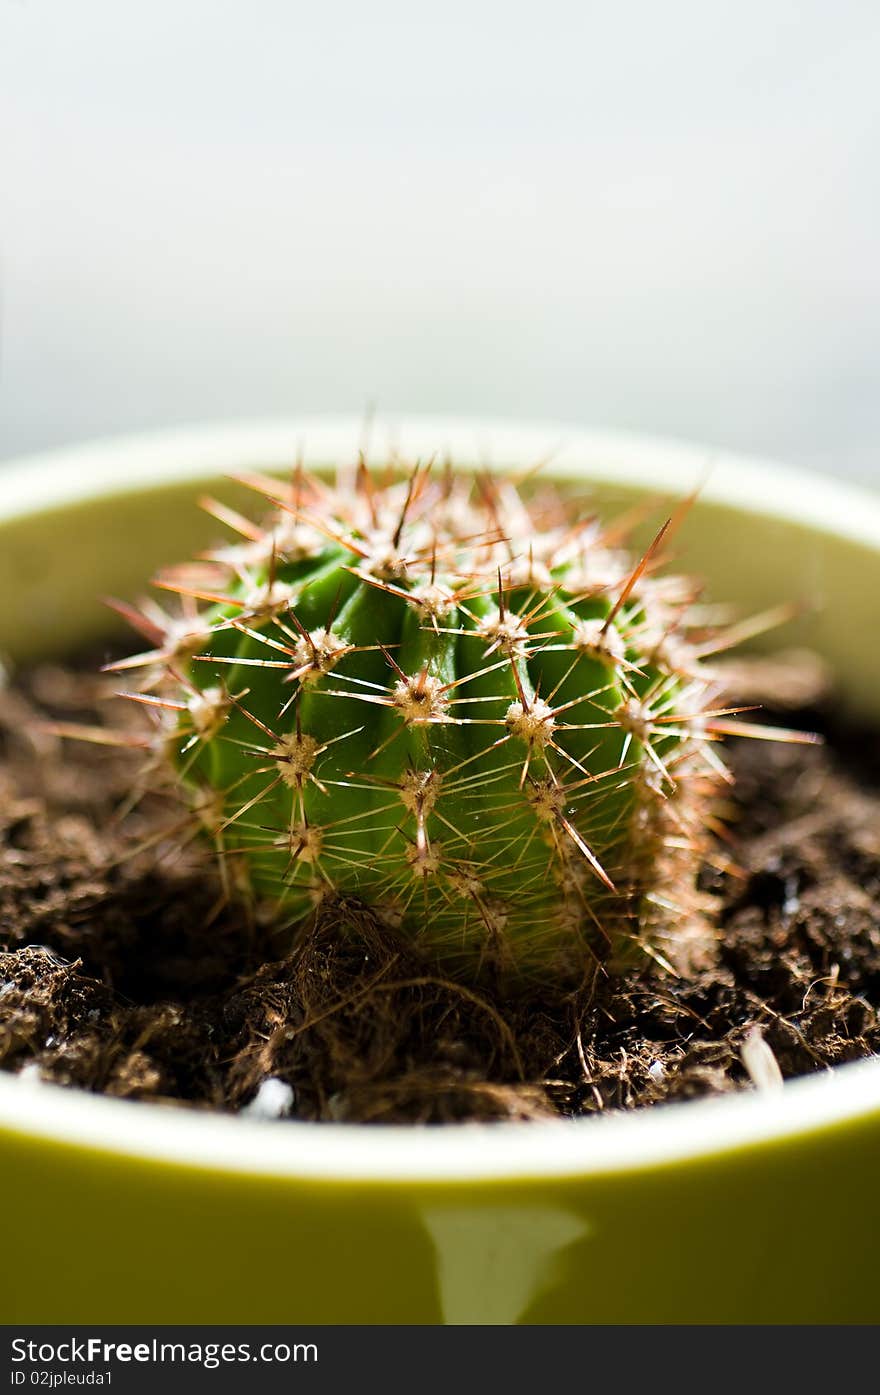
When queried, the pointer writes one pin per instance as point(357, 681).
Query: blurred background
point(662, 217)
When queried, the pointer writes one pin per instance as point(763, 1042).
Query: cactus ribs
point(462, 705)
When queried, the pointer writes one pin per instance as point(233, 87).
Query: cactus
point(467, 709)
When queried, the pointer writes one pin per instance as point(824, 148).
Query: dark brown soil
point(122, 971)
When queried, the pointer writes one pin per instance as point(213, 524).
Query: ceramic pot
point(751, 1208)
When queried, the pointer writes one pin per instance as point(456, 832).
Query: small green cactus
point(468, 709)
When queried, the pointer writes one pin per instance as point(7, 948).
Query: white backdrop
point(661, 216)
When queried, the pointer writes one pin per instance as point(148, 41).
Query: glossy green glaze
point(751, 1210)
point(737, 1238)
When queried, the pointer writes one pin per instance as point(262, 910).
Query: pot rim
point(119, 465)
point(665, 1134)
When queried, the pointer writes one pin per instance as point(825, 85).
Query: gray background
point(659, 216)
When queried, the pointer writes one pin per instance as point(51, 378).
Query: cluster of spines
point(477, 713)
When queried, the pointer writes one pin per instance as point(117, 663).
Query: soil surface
point(123, 971)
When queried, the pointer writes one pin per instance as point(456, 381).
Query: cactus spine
point(470, 710)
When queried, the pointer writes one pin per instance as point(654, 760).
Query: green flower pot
point(762, 1207)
